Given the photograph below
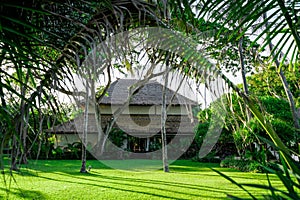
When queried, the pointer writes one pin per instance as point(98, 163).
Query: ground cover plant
point(51, 179)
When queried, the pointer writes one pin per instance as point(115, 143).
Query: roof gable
point(149, 94)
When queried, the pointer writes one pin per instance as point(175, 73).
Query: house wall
point(62, 140)
point(137, 120)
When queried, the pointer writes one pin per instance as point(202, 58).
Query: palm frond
point(281, 23)
point(46, 41)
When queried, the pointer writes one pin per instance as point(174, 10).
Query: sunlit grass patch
point(187, 180)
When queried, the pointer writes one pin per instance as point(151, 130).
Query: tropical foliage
point(44, 42)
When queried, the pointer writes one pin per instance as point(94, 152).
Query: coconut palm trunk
point(163, 126)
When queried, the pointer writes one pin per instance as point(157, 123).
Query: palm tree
point(42, 43)
point(36, 48)
point(28, 70)
point(281, 27)
point(284, 25)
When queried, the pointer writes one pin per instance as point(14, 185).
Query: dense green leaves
point(267, 82)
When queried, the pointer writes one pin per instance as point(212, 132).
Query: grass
point(51, 179)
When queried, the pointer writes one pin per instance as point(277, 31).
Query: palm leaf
point(69, 29)
point(249, 14)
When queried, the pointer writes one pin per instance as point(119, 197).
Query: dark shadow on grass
point(28, 172)
point(67, 169)
point(195, 164)
point(157, 182)
point(188, 169)
point(22, 194)
point(113, 188)
point(134, 182)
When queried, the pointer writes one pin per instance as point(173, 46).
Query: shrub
point(224, 147)
point(242, 165)
point(117, 136)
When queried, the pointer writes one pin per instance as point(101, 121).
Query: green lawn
point(187, 180)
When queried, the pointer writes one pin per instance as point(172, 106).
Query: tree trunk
point(4, 132)
point(99, 148)
point(24, 122)
point(105, 137)
point(85, 129)
point(243, 72)
point(14, 154)
point(290, 100)
point(25, 130)
point(163, 126)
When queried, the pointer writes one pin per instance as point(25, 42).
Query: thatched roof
point(149, 94)
point(66, 128)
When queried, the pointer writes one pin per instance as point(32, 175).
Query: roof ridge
point(149, 94)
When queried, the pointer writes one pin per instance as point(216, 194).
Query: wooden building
point(141, 120)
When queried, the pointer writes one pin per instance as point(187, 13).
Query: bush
point(242, 165)
point(224, 147)
point(117, 137)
